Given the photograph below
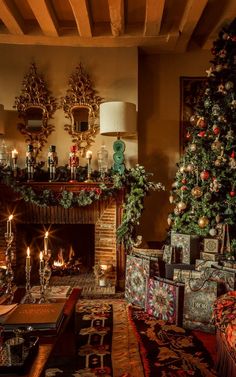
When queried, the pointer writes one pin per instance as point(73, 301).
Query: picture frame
point(191, 90)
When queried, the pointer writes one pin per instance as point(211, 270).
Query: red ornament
point(232, 154)
point(183, 188)
point(216, 130)
point(232, 193)
point(184, 181)
point(205, 175)
point(202, 134)
point(201, 123)
point(188, 135)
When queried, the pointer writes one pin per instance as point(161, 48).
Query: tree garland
point(134, 181)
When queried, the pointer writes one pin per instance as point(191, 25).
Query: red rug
point(168, 350)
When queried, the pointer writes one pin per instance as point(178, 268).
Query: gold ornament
point(217, 219)
point(176, 211)
point(218, 162)
point(196, 192)
point(203, 222)
point(193, 147)
point(190, 168)
point(181, 206)
point(216, 145)
point(182, 169)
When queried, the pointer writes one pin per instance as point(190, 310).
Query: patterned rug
point(168, 350)
point(116, 339)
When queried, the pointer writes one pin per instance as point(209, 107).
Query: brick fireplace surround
point(105, 215)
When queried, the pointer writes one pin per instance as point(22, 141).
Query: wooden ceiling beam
point(153, 16)
point(11, 18)
point(116, 9)
point(45, 17)
point(191, 16)
point(80, 10)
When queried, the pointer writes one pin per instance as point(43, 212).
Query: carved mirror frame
point(81, 97)
point(35, 106)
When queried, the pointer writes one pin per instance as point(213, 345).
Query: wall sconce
point(118, 119)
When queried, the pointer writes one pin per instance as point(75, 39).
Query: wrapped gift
point(211, 245)
point(189, 244)
point(169, 268)
point(211, 256)
point(226, 279)
point(138, 270)
point(201, 264)
point(199, 297)
point(165, 300)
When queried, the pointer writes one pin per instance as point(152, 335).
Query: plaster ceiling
point(158, 26)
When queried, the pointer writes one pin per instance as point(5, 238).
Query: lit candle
point(14, 153)
point(9, 224)
point(89, 154)
point(46, 243)
point(41, 261)
point(28, 259)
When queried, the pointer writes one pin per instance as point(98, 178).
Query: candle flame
point(46, 234)
point(10, 217)
point(28, 251)
point(41, 255)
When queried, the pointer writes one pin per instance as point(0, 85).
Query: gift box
point(165, 300)
point(190, 245)
point(226, 279)
point(211, 256)
point(183, 275)
point(201, 264)
point(169, 268)
point(138, 270)
point(211, 245)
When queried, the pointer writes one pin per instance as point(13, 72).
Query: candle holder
point(9, 271)
point(42, 298)
point(28, 299)
point(47, 273)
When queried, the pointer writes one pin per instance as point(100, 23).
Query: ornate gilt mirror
point(81, 107)
point(35, 107)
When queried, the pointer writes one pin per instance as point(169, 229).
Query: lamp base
point(118, 156)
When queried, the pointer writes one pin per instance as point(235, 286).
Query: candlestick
point(89, 154)
point(42, 298)
point(9, 224)
point(89, 158)
point(14, 155)
point(46, 243)
point(28, 298)
point(27, 265)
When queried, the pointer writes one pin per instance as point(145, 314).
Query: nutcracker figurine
point(52, 162)
point(73, 162)
point(30, 162)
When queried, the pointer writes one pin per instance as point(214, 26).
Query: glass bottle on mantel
point(102, 156)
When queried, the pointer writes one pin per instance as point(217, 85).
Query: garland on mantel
point(135, 182)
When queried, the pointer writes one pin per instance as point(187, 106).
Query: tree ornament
point(176, 211)
point(207, 103)
point(216, 129)
point(190, 168)
point(203, 222)
point(188, 135)
point(201, 122)
point(196, 192)
point(193, 119)
point(171, 199)
point(182, 169)
point(221, 119)
point(204, 175)
point(223, 53)
point(175, 184)
point(184, 181)
point(202, 134)
point(169, 221)
point(216, 145)
point(215, 109)
point(183, 188)
point(218, 162)
point(232, 162)
point(207, 196)
point(221, 89)
point(207, 91)
point(212, 232)
point(215, 185)
point(229, 85)
point(225, 36)
point(218, 67)
point(193, 147)
point(181, 206)
point(233, 104)
point(232, 193)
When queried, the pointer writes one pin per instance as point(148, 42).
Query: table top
point(47, 342)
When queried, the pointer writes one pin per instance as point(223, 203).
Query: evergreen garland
point(134, 181)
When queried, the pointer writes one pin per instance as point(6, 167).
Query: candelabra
point(9, 271)
point(47, 273)
point(42, 298)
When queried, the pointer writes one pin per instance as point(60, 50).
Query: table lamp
point(118, 118)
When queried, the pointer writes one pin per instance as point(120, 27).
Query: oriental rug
point(117, 339)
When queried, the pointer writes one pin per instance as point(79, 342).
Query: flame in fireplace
point(59, 262)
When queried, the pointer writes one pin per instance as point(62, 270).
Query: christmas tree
point(204, 190)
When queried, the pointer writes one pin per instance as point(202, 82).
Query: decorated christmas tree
point(204, 190)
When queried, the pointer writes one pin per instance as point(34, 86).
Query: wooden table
point(47, 344)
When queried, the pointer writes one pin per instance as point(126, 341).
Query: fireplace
point(89, 230)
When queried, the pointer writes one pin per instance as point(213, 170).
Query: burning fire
point(60, 260)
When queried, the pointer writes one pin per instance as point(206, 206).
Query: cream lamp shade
point(117, 118)
point(2, 120)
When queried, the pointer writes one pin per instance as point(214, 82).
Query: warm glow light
point(58, 264)
point(104, 267)
point(89, 154)
point(14, 153)
point(41, 255)
point(10, 217)
point(46, 234)
point(28, 251)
